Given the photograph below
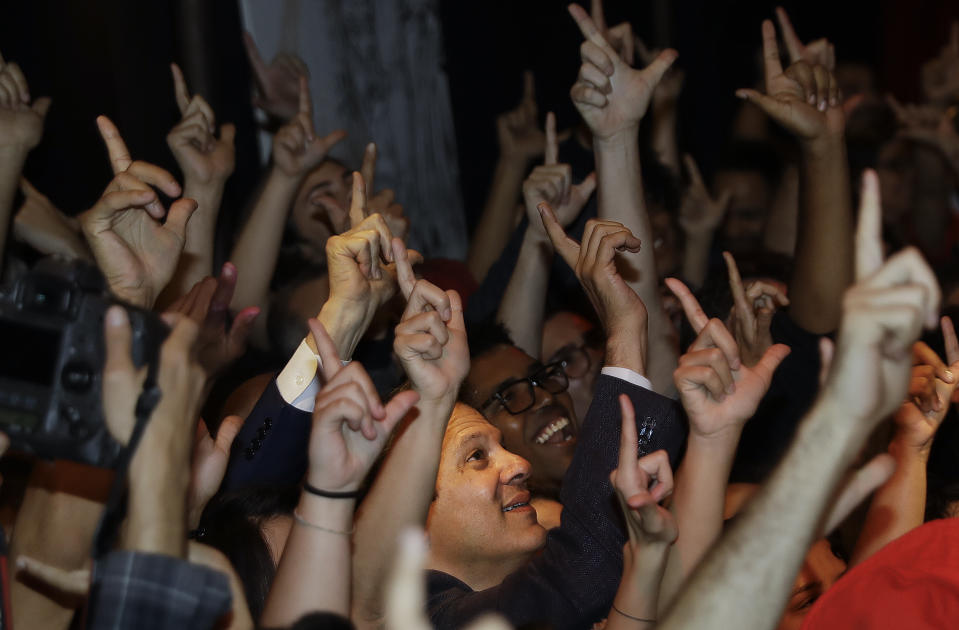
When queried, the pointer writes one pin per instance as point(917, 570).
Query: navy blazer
point(571, 584)
point(271, 448)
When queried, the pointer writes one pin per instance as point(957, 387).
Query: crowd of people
point(643, 399)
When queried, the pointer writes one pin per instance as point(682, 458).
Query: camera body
point(51, 336)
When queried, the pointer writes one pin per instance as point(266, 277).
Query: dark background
point(111, 57)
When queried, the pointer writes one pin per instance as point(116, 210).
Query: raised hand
point(594, 262)
point(210, 457)
point(641, 484)
point(752, 313)
point(803, 98)
point(940, 75)
point(552, 183)
point(670, 86)
point(383, 202)
point(719, 392)
point(136, 253)
point(518, 130)
point(350, 424)
point(430, 339)
point(220, 342)
point(820, 52)
point(21, 121)
point(296, 147)
point(699, 212)
point(620, 37)
point(930, 126)
point(883, 314)
point(931, 388)
point(201, 155)
point(611, 96)
point(277, 83)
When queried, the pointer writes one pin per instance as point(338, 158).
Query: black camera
point(51, 335)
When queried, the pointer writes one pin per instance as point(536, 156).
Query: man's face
point(322, 205)
point(545, 434)
point(564, 337)
point(481, 513)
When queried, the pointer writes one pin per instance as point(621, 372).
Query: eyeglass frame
point(531, 383)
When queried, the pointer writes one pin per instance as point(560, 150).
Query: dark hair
point(232, 522)
point(750, 155)
point(485, 335)
point(321, 621)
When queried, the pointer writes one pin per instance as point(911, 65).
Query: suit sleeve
point(572, 583)
point(271, 448)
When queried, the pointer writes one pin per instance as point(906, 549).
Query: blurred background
point(425, 79)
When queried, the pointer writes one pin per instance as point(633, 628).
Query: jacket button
point(249, 453)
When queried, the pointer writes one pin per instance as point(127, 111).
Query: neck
point(479, 573)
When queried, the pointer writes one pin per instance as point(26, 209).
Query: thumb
point(42, 106)
point(179, 215)
point(772, 358)
point(28, 189)
point(229, 429)
point(585, 188)
point(771, 106)
point(660, 65)
point(227, 133)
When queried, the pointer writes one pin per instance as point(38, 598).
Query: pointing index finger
point(567, 247)
point(358, 210)
point(949, 336)
point(180, 89)
point(773, 66)
point(326, 349)
point(793, 44)
point(744, 308)
point(116, 148)
point(869, 229)
point(694, 312)
point(589, 29)
point(628, 441)
point(368, 168)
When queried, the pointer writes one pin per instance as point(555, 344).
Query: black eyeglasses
point(517, 395)
point(575, 361)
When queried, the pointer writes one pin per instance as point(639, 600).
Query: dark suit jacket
point(572, 582)
point(271, 448)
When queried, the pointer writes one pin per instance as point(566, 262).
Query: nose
point(515, 470)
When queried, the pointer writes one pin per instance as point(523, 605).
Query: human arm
point(900, 504)
point(350, 428)
point(752, 314)
point(720, 393)
point(431, 344)
point(297, 149)
point(136, 253)
point(882, 316)
point(699, 216)
point(21, 127)
point(805, 100)
point(44, 227)
point(613, 98)
point(521, 309)
point(520, 141)
point(277, 82)
point(206, 163)
point(640, 485)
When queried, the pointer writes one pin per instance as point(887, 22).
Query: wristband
point(327, 494)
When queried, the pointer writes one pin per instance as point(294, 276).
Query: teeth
point(510, 508)
point(549, 431)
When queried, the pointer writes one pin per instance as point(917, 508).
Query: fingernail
point(447, 313)
point(950, 377)
point(731, 389)
point(116, 316)
point(21, 563)
point(822, 105)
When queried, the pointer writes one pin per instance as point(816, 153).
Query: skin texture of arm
point(868, 379)
point(403, 489)
point(613, 98)
point(499, 216)
point(521, 309)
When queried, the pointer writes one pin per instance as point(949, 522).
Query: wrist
point(825, 145)
point(903, 450)
point(14, 155)
point(334, 514)
point(618, 138)
point(535, 235)
point(281, 178)
point(627, 351)
point(345, 322)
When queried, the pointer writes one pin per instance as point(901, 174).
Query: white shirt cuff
point(629, 376)
point(299, 381)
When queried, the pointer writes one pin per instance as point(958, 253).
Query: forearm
point(258, 246)
point(400, 498)
point(696, 258)
point(522, 306)
point(764, 549)
point(196, 261)
point(620, 198)
point(639, 590)
point(698, 500)
point(496, 222)
point(897, 507)
point(313, 572)
point(779, 234)
point(11, 165)
point(823, 267)
point(159, 480)
point(346, 324)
